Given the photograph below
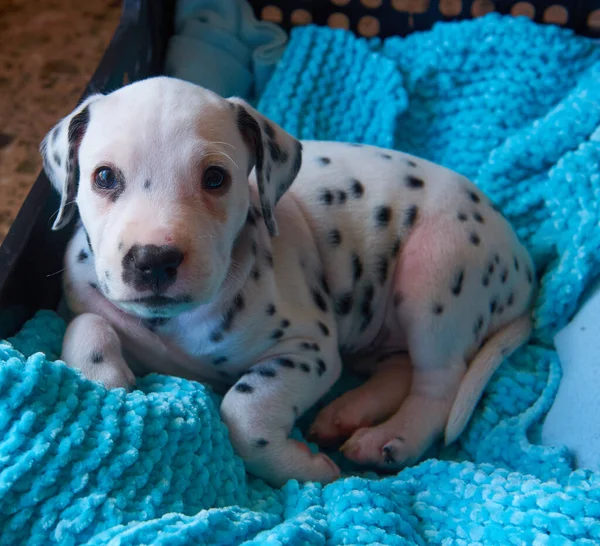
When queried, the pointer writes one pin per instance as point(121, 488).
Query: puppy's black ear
point(276, 156)
point(60, 150)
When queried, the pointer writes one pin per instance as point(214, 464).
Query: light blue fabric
point(220, 45)
point(512, 105)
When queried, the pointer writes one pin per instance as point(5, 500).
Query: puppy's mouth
point(156, 306)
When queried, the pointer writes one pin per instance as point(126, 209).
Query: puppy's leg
point(92, 346)
point(405, 436)
point(260, 411)
point(375, 400)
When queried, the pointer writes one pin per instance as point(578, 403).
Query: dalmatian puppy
point(196, 256)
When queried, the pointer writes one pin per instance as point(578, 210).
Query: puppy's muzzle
point(151, 267)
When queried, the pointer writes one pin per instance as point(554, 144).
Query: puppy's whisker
point(56, 272)
point(225, 143)
point(228, 157)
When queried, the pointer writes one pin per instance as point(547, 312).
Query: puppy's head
point(159, 172)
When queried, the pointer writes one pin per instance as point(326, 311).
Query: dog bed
point(512, 105)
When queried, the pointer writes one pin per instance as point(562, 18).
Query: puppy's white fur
point(377, 253)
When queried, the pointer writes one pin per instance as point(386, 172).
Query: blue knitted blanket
point(512, 105)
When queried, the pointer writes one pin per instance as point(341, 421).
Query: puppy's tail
point(501, 345)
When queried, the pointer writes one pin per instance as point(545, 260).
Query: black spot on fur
point(385, 156)
point(493, 305)
point(216, 336)
point(504, 276)
point(411, 216)
point(414, 182)
point(388, 455)
point(244, 388)
point(251, 217)
point(343, 304)
point(255, 273)
point(285, 323)
point(266, 372)
point(220, 360)
point(396, 248)
point(342, 196)
point(382, 269)
point(437, 308)
point(323, 161)
point(486, 280)
point(478, 218)
point(277, 334)
point(474, 238)
point(269, 259)
point(529, 276)
point(97, 357)
point(366, 310)
point(383, 215)
point(357, 267)
point(516, 263)
point(319, 300)
point(121, 245)
point(286, 363)
point(491, 268)
point(327, 197)
point(57, 159)
point(458, 283)
point(304, 367)
point(324, 284)
point(82, 256)
point(321, 367)
point(500, 309)
point(270, 132)
point(324, 329)
point(334, 237)
point(93, 285)
point(462, 216)
point(411, 163)
point(474, 197)
point(261, 442)
point(271, 310)
point(358, 189)
point(306, 346)
point(511, 299)
point(478, 325)
point(147, 184)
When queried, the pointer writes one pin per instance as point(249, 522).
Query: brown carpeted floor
point(48, 52)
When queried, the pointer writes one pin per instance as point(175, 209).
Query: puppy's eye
point(214, 178)
point(105, 178)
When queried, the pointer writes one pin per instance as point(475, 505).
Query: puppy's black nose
point(151, 267)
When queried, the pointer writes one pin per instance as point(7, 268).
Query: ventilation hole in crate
point(338, 20)
point(556, 15)
point(482, 7)
point(593, 20)
point(450, 8)
point(373, 4)
point(126, 78)
point(301, 17)
point(340, 3)
point(272, 14)
point(523, 8)
point(411, 6)
point(368, 26)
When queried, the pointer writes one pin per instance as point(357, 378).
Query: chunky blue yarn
point(512, 105)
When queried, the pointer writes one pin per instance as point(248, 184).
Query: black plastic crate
point(31, 256)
